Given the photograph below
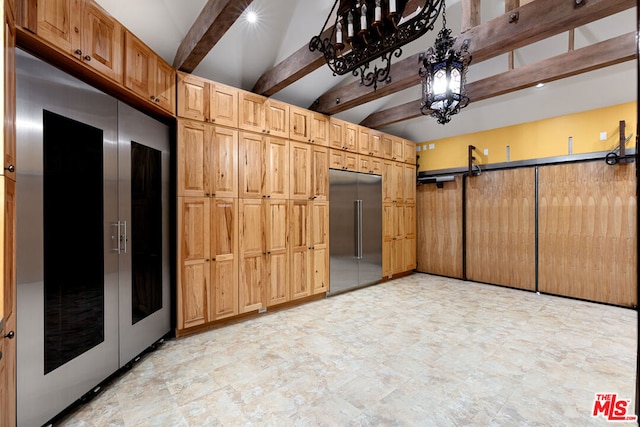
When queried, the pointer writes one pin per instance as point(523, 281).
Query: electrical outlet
point(432, 146)
point(486, 151)
point(424, 147)
point(418, 148)
point(603, 136)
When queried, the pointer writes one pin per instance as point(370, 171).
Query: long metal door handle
point(359, 230)
point(115, 236)
point(124, 236)
point(356, 227)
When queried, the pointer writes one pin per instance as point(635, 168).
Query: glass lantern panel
point(454, 84)
point(440, 81)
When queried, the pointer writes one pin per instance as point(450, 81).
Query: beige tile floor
point(417, 351)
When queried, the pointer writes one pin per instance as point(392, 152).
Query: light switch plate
point(603, 136)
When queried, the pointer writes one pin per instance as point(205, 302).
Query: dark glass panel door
point(146, 231)
point(73, 239)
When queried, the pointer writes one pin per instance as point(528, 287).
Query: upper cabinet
point(201, 99)
point(276, 118)
point(147, 74)
point(82, 29)
point(251, 111)
point(409, 152)
point(319, 129)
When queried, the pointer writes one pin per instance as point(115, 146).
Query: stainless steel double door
point(92, 237)
point(355, 227)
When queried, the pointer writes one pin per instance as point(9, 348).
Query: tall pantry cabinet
point(253, 199)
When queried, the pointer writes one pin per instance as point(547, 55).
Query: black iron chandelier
point(365, 30)
point(444, 76)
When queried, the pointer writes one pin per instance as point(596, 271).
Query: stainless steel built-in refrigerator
point(355, 218)
point(93, 275)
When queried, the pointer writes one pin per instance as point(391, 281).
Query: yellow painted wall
point(535, 140)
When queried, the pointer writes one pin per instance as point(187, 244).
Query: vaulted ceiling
point(583, 50)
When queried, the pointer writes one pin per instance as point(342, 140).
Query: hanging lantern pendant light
point(444, 76)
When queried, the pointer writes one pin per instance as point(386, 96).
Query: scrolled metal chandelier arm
point(380, 34)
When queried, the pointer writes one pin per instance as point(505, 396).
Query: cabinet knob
point(153, 98)
point(87, 58)
point(10, 335)
point(10, 168)
point(78, 52)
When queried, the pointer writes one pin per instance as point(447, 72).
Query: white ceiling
point(247, 51)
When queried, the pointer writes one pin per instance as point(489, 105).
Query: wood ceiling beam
point(216, 18)
point(470, 14)
point(538, 20)
point(301, 63)
point(589, 58)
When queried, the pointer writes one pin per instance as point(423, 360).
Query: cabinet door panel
point(409, 184)
point(165, 86)
point(193, 159)
point(351, 137)
point(320, 247)
point(224, 105)
point(251, 112)
point(277, 118)
point(277, 234)
point(224, 250)
point(224, 162)
point(319, 129)
point(320, 173)
point(251, 165)
point(193, 253)
point(102, 42)
point(139, 67)
point(58, 22)
point(252, 255)
point(193, 97)
point(300, 126)
point(336, 134)
point(300, 247)
point(277, 168)
point(300, 170)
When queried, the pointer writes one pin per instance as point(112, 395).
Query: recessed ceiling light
point(252, 17)
point(539, 85)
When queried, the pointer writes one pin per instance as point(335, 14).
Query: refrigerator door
point(342, 229)
point(370, 194)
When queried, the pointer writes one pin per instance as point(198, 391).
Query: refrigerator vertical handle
point(359, 228)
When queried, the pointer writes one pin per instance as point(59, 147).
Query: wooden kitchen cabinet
point(300, 233)
point(85, 31)
point(364, 138)
point(409, 245)
point(320, 173)
point(409, 152)
point(251, 165)
point(276, 118)
point(277, 253)
point(8, 146)
point(398, 182)
point(351, 136)
point(300, 171)
point(375, 143)
point(309, 126)
point(300, 124)
point(319, 247)
point(251, 112)
point(223, 300)
point(397, 149)
point(194, 261)
point(194, 159)
point(388, 218)
point(204, 100)
point(224, 162)
point(252, 255)
point(386, 142)
point(263, 166)
point(146, 74)
point(319, 129)
point(223, 105)
point(343, 160)
point(409, 184)
point(276, 168)
point(193, 97)
point(336, 134)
